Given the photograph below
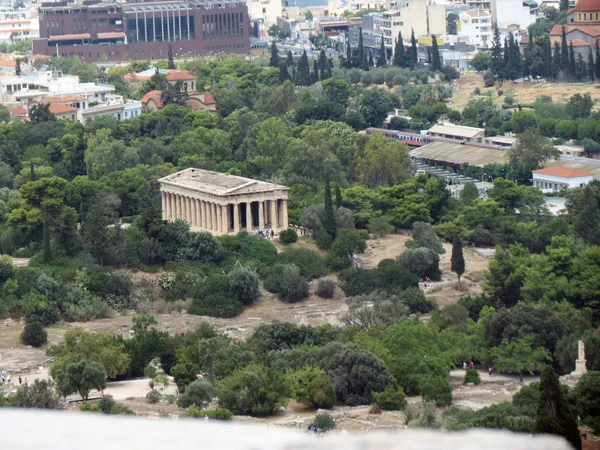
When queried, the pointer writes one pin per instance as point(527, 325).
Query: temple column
point(188, 210)
point(236, 218)
point(173, 207)
point(261, 216)
point(225, 218)
point(273, 214)
point(167, 215)
point(178, 208)
point(213, 214)
point(204, 214)
point(248, 217)
point(284, 214)
point(163, 196)
point(198, 213)
point(209, 216)
point(219, 219)
point(193, 218)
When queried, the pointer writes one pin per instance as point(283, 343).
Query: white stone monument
point(580, 361)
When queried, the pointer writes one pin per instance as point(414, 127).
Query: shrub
point(325, 422)
point(216, 305)
point(89, 407)
point(428, 417)
point(106, 404)
point(312, 387)
point(215, 414)
point(422, 261)
point(417, 303)
point(244, 285)
point(116, 283)
point(437, 390)
point(119, 409)
point(205, 247)
point(34, 334)
point(288, 236)
point(380, 226)
point(325, 288)
point(199, 393)
point(323, 239)
point(153, 396)
point(40, 395)
point(472, 376)
point(282, 336)
point(310, 263)
point(286, 281)
point(391, 399)
point(43, 313)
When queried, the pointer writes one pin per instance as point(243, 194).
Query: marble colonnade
point(219, 217)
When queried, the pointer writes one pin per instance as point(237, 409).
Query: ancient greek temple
point(222, 203)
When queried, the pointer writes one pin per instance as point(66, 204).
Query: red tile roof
point(70, 37)
point(578, 43)
point(556, 30)
point(153, 95)
point(175, 75)
point(570, 10)
point(57, 108)
point(7, 63)
point(18, 111)
point(587, 5)
point(563, 172)
point(115, 35)
point(588, 30)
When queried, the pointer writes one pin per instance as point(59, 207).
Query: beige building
point(457, 132)
point(222, 203)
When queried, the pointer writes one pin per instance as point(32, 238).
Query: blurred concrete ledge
point(55, 430)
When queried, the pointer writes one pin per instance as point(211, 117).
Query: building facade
point(555, 178)
point(18, 25)
point(477, 26)
point(222, 203)
point(126, 31)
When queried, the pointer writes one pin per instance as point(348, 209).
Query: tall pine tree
point(289, 60)
point(398, 60)
point(590, 66)
point(171, 61)
point(371, 61)
point(564, 52)
point(284, 73)
point(556, 61)
point(554, 414)
point(323, 65)
point(315, 72)
point(303, 75)
point(496, 58)
point(414, 54)
point(274, 60)
point(564, 5)
point(361, 54)
point(458, 258)
point(329, 222)
point(597, 65)
point(382, 57)
point(349, 62)
point(338, 195)
point(436, 62)
point(572, 64)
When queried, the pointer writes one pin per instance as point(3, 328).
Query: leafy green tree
point(423, 235)
point(325, 422)
point(380, 226)
point(303, 75)
point(583, 206)
point(34, 334)
point(40, 395)
point(312, 387)
point(421, 261)
point(580, 106)
point(329, 222)
point(384, 161)
point(587, 399)
point(469, 193)
point(200, 393)
point(102, 213)
point(472, 376)
point(244, 285)
point(531, 151)
point(437, 390)
point(519, 356)
point(255, 390)
point(81, 377)
point(391, 399)
point(374, 105)
point(40, 112)
point(482, 61)
point(458, 259)
point(554, 414)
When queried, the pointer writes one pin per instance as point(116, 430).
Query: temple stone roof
point(217, 183)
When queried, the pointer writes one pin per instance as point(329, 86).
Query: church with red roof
point(582, 28)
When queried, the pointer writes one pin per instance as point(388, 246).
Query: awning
point(70, 37)
point(114, 35)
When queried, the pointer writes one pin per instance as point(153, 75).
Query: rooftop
point(217, 183)
point(587, 5)
point(456, 130)
point(478, 13)
point(171, 74)
point(460, 154)
point(563, 172)
point(57, 108)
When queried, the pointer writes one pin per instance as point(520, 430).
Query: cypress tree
point(506, 56)
point(398, 60)
point(564, 5)
point(556, 60)
point(458, 258)
point(47, 250)
point(371, 61)
point(597, 67)
point(590, 66)
point(436, 63)
point(547, 58)
point(18, 67)
point(329, 220)
point(315, 72)
point(274, 60)
point(349, 63)
point(171, 63)
point(496, 57)
point(572, 66)
point(284, 74)
point(360, 51)
point(564, 52)
point(338, 196)
point(323, 65)
point(414, 55)
point(581, 69)
point(289, 60)
point(554, 414)
point(328, 73)
point(303, 75)
point(382, 58)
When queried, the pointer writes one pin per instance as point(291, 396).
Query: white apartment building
point(18, 25)
point(514, 12)
point(266, 10)
point(477, 26)
point(554, 178)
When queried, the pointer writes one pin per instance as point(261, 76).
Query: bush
point(119, 409)
point(380, 226)
point(325, 288)
point(244, 285)
point(199, 393)
point(325, 422)
point(34, 334)
point(323, 239)
point(310, 263)
point(286, 281)
point(116, 283)
point(422, 261)
point(106, 404)
point(214, 414)
point(153, 396)
point(312, 387)
point(43, 313)
point(288, 236)
point(391, 399)
point(437, 390)
point(472, 376)
point(41, 395)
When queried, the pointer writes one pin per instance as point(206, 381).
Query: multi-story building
point(125, 31)
point(266, 11)
point(477, 26)
point(421, 16)
point(514, 12)
point(18, 25)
